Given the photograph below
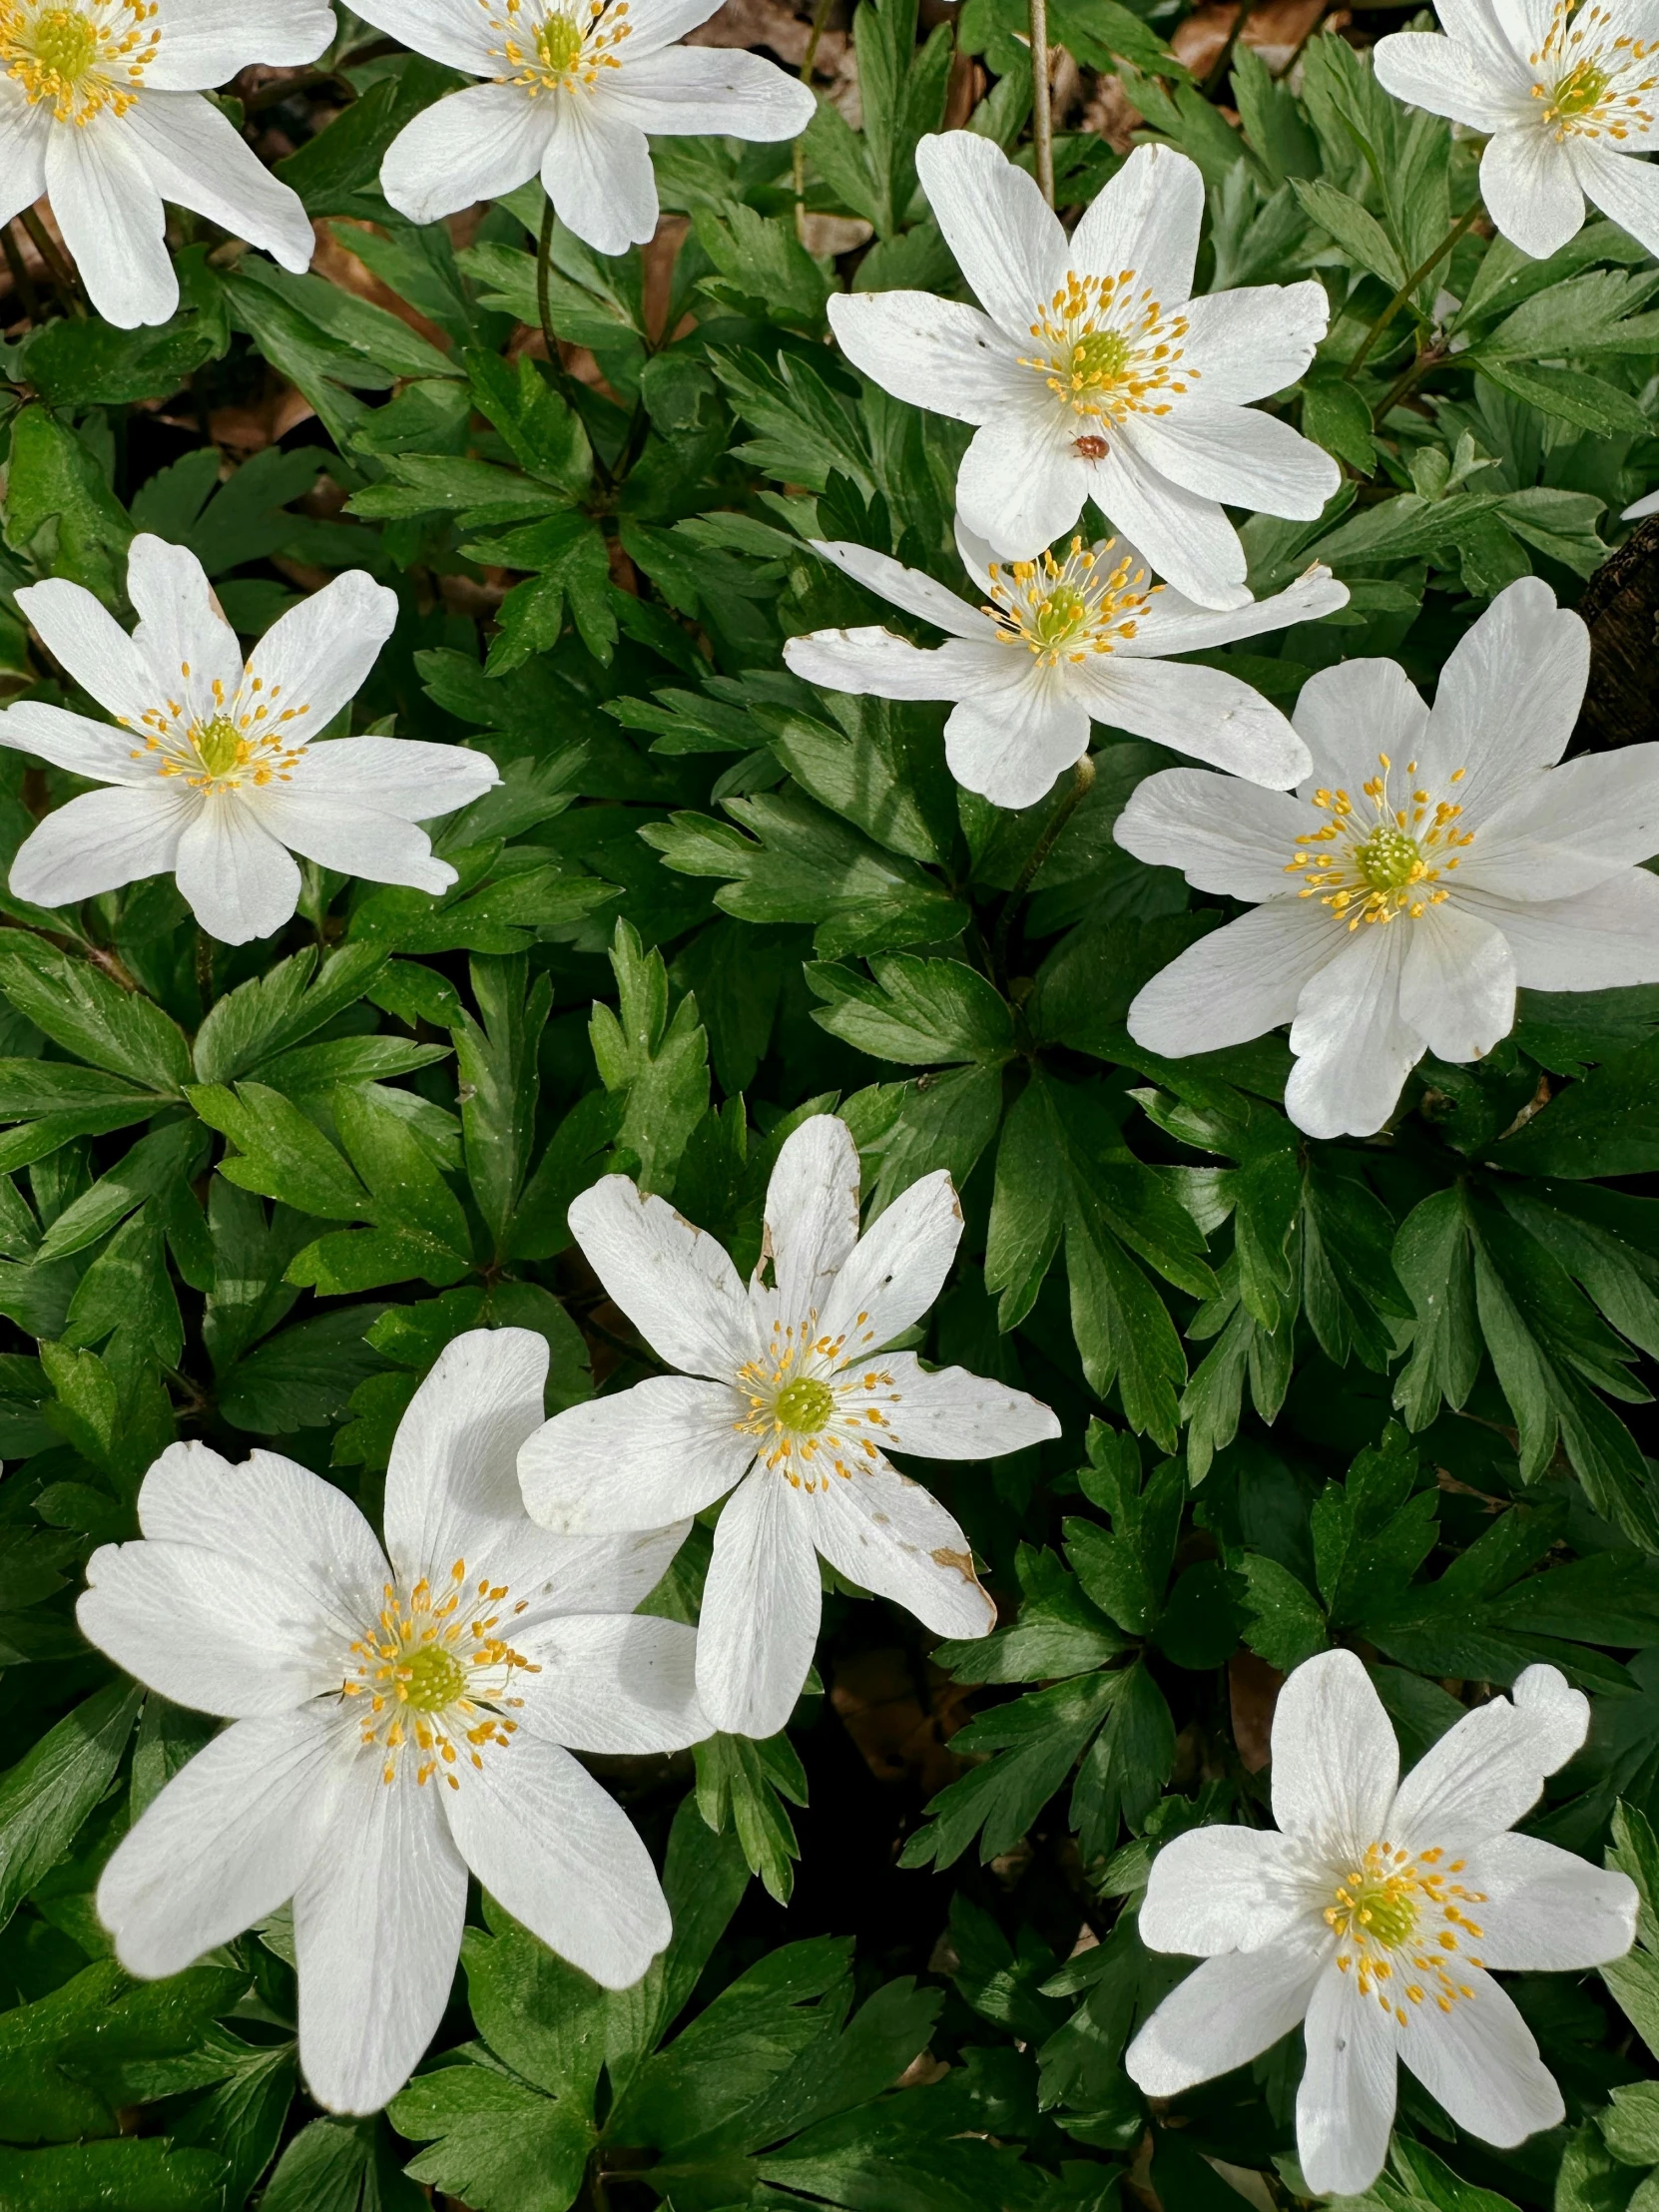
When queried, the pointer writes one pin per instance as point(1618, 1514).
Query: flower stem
point(1217, 68)
point(205, 968)
point(23, 284)
point(820, 16)
point(58, 265)
point(1405, 290)
point(1042, 108)
point(562, 378)
point(1082, 783)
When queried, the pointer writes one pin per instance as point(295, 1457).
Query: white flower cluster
point(402, 1715)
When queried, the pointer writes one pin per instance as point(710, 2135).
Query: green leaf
point(745, 1783)
point(662, 1065)
point(272, 1012)
point(52, 1789)
point(497, 1061)
point(279, 1152)
point(60, 507)
point(120, 1032)
point(918, 1012)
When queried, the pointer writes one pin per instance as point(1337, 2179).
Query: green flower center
point(1101, 357)
point(804, 1404)
point(65, 43)
point(435, 1679)
point(1389, 860)
point(1060, 616)
point(1581, 91)
point(220, 744)
point(559, 43)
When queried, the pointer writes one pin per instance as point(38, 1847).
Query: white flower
point(101, 108)
point(1647, 505)
point(393, 1725)
point(787, 1394)
point(1093, 374)
point(215, 780)
point(1374, 1915)
point(573, 88)
point(1429, 863)
point(1062, 643)
point(1565, 92)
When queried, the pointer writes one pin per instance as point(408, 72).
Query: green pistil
point(1101, 357)
point(66, 43)
point(559, 43)
point(436, 1679)
point(219, 742)
point(804, 1404)
point(1060, 616)
point(1581, 92)
point(1389, 860)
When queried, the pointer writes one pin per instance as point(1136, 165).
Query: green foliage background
point(1387, 1394)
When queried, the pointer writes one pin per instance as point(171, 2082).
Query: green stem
point(1082, 783)
point(57, 264)
point(820, 16)
point(1429, 358)
point(1042, 108)
point(1217, 68)
point(555, 359)
point(1407, 289)
point(22, 283)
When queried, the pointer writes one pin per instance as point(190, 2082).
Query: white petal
point(1335, 1759)
point(214, 1633)
point(891, 1536)
point(1508, 696)
point(691, 90)
point(446, 32)
point(1641, 508)
point(1185, 536)
point(1345, 2108)
point(1446, 78)
point(1531, 193)
point(760, 1606)
point(235, 878)
point(1457, 982)
point(1569, 828)
point(1010, 742)
point(228, 1840)
point(1145, 218)
point(1546, 1911)
point(1593, 942)
point(561, 1854)
point(1348, 713)
point(194, 156)
point(1222, 835)
point(357, 840)
point(96, 750)
point(271, 1514)
point(207, 42)
point(613, 1683)
point(940, 354)
point(81, 633)
point(376, 1933)
point(597, 172)
point(1237, 456)
point(101, 840)
point(1246, 344)
point(872, 662)
point(1353, 1052)
point(1023, 482)
point(1478, 2061)
point(1622, 185)
point(1172, 624)
point(406, 777)
point(1489, 1770)
point(1007, 240)
point(898, 1268)
point(1218, 1889)
point(25, 126)
point(318, 655)
point(911, 588)
point(657, 23)
point(611, 1575)
point(113, 221)
point(641, 1459)
point(471, 145)
point(1226, 2012)
point(453, 1480)
point(186, 644)
point(1234, 984)
point(676, 1284)
point(811, 1214)
point(1202, 711)
point(948, 1413)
